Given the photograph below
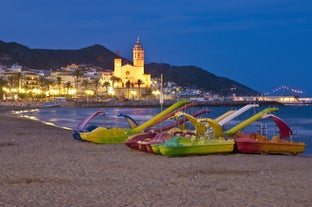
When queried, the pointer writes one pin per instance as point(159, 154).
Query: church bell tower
point(138, 54)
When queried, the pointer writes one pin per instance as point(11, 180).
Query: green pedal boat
point(181, 146)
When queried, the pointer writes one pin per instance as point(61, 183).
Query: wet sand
point(44, 166)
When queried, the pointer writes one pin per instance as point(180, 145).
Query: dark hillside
point(98, 55)
point(194, 77)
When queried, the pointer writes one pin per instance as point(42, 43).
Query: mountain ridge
point(98, 55)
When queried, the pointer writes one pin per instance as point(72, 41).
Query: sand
point(44, 166)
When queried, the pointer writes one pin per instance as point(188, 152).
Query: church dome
point(138, 45)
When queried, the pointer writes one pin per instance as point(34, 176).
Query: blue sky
point(262, 44)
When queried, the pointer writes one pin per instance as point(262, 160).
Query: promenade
point(130, 103)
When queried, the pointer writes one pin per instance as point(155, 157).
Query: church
point(132, 76)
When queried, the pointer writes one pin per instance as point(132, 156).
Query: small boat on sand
point(202, 142)
point(259, 144)
point(156, 135)
point(102, 135)
point(254, 143)
point(181, 146)
point(209, 138)
point(146, 145)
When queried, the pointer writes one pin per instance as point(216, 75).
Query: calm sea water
point(299, 118)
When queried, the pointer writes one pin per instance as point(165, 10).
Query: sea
point(299, 118)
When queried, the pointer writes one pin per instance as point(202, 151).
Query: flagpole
point(161, 96)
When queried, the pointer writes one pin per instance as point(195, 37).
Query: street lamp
point(89, 93)
point(111, 91)
point(156, 93)
point(133, 93)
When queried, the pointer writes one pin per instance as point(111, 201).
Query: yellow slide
point(249, 121)
point(151, 121)
point(103, 135)
point(200, 127)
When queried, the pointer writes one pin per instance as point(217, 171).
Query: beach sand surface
point(44, 166)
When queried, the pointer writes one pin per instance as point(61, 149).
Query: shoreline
point(15, 105)
point(44, 166)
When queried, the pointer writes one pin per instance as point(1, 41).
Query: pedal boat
point(256, 143)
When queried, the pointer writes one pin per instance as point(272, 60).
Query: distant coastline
point(170, 102)
point(16, 105)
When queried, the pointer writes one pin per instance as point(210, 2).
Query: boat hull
point(135, 140)
point(155, 148)
point(270, 148)
point(146, 145)
point(247, 144)
point(103, 135)
point(197, 148)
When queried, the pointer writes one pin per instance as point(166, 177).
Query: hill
point(12, 52)
point(194, 77)
point(98, 55)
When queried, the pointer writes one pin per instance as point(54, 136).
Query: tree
point(115, 79)
point(11, 81)
point(106, 84)
point(48, 83)
point(96, 82)
point(42, 82)
point(77, 74)
point(139, 83)
point(68, 85)
point(59, 83)
point(18, 78)
point(128, 85)
point(15, 81)
point(3, 83)
point(85, 83)
point(11, 84)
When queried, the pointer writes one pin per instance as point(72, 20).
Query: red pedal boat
point(257, 143)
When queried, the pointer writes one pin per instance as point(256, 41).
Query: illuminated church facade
point(132, 75)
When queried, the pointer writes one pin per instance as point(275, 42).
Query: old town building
point(132, 75)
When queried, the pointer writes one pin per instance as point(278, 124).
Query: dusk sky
point(262, 44)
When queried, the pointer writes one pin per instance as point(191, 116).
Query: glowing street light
point(133, 93)
point(89, 92)
point(73, 91)
point(111, 91)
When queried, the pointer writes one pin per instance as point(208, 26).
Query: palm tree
point(96, 82)
point(106, 84)
point(18, 77)
point(85, 84)
point(42, 82)
point(11, 81)
point(78, 74)
point(115, 79)
point(128, 85)
point(139, 83)
point(11, 84)
point(68, 85)
point(59, 83)
point(2, 84)
point(48, 83)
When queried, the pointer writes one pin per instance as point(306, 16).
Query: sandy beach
point(44, 166)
